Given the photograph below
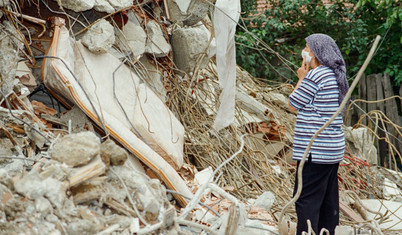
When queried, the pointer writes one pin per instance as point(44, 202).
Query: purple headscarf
point(328, 54)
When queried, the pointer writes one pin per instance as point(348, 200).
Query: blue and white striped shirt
point(316, 100)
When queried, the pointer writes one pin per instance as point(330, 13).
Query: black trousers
point(319, 199)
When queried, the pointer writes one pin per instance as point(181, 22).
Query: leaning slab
point(116, 100)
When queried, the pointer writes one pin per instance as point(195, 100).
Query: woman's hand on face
point(303, 70)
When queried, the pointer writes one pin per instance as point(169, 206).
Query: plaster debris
point(100, 37)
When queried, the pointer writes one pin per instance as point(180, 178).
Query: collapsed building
point(107, 115)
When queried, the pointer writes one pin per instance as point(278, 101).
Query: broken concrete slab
point(78, 5)
point(76, 149)
point(392, 208)
point(190, 45)
point(99, 38)
point(153, 74)
point(126, 106)
point(156, 42)
point(188, 12)
point(361, 143)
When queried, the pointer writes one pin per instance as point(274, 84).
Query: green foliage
point(352, 24)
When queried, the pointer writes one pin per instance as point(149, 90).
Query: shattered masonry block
point(187, 12)
point(103, 6)
point(120, 4)
point(100, 37)
point(156, 42)
point(188, 45)
point(116, 154)
point(76, 149)
point(132, 38)
point(77, 5)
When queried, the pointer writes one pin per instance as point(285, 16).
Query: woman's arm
point(301, 74)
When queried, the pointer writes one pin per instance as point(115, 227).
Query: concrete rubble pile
point(82, 152)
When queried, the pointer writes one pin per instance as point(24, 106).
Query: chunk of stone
point(76, 149)
point(133, 36)
point(103, 6)
point(265, 200)
point(100, 37)
point(77, 5)
point(187, 11)
point(156, 42)
point(120, 4)
point(116, 154)
point(189, 44)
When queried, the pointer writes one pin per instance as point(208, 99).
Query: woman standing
point(316, 98)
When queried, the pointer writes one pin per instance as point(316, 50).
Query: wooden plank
point(353, 113)
point(233, 220)
point(380, 93)
point(391, 110)
point(400, 94)
point(382, 144)
point(363, 96)
point(372, 91)
point(346, 210)
point(81, 174)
